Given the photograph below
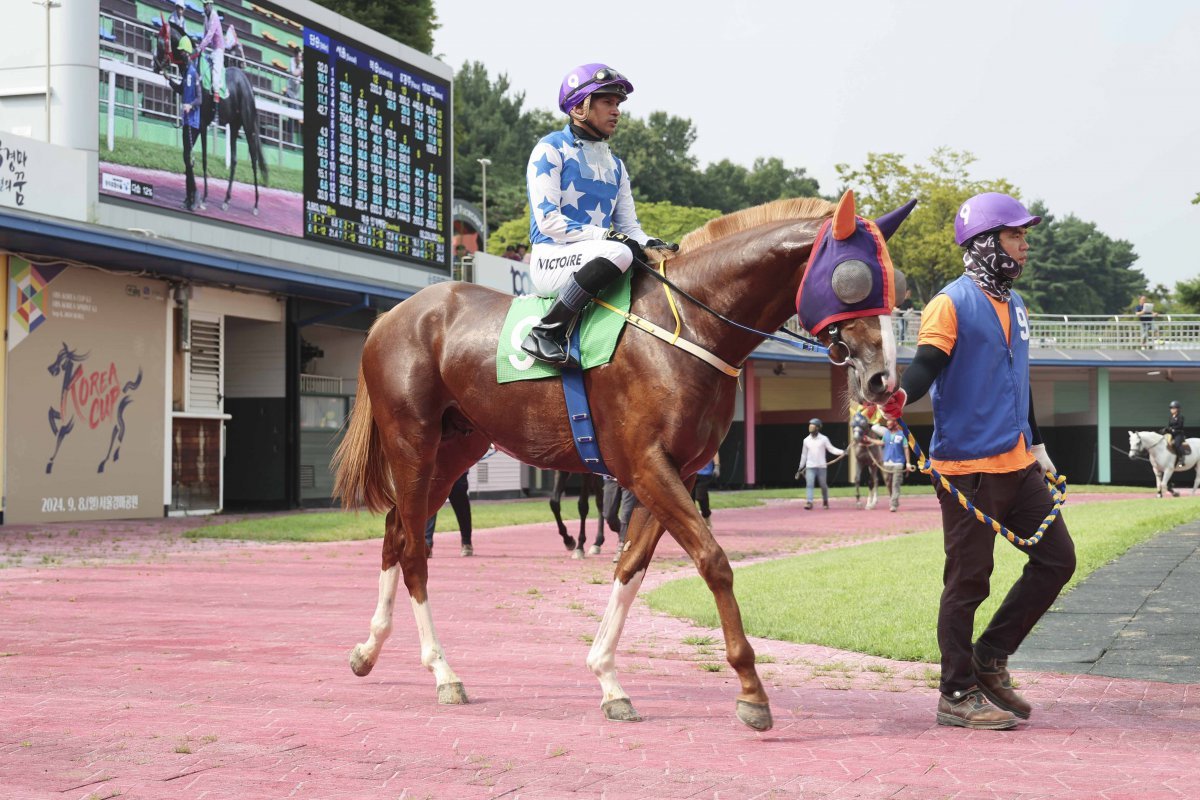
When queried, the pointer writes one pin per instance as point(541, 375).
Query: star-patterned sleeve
point(547, 197)
point(624, 214)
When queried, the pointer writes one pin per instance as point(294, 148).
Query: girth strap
point(579, 412)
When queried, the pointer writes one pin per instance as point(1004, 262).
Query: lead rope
point(1056, 483)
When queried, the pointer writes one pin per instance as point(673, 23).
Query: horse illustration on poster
point(95, 398)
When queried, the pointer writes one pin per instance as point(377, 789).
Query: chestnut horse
point(428, 406)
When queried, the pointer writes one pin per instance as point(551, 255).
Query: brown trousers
point(1019, 501)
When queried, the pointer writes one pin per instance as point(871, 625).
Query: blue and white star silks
point(577, 190)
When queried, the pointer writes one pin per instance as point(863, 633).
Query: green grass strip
point(881, 598)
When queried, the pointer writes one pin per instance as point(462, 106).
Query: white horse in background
point(1154, 446)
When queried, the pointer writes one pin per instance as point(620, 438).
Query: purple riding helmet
point(988, 212)
point(588, 79)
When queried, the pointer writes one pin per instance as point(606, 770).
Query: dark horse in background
point(238, 111)
point(592, 486)
point(428, 406)
point(869, 460)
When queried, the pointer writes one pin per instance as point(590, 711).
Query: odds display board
point(327, 139)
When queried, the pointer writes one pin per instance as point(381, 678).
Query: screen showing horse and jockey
point(241, 112)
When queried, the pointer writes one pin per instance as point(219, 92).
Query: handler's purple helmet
point(988, 212)
point(588, 79)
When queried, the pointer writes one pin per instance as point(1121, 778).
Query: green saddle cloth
point(597, 339)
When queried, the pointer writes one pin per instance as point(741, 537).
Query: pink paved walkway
point(212, 670)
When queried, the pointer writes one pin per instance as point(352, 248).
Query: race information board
point(376, 173)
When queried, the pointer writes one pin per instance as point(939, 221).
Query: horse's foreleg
point(363, 656)
point(873, 494)
point(671, 503)
point(641, 538)
point(582, 508)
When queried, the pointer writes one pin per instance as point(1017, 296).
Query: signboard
point(328, 140)
point(42, 178)
point(85, 422)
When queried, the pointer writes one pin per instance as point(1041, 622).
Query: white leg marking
point(602, 658)
point(431, 649)
point(381, 623)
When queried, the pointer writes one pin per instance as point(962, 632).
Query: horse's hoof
point(255, 211)
point(569, 541)
point(594, 550)
point(577, 554)
point(755, 715)
point(224, 206)
point(359, 664)
point(203, 206)
point(452, 694)
point(620, 710)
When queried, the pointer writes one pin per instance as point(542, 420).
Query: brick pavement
point(164, 669)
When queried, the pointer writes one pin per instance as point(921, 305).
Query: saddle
point(1187, 448)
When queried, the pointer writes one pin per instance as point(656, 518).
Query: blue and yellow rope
point(1057, 484)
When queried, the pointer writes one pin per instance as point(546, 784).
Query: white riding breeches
point(551, 264)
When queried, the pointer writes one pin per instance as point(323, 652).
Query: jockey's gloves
point(1039, 452)
point(659, 244)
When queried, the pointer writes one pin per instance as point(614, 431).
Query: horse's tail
point(361, 473)
point(250, 123)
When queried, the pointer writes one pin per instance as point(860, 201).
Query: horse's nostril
point(878, 382)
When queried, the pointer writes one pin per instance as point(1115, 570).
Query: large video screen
point(310, 135)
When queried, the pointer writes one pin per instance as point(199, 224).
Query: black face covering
point(992, 269)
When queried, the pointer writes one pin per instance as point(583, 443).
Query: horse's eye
point(852, 281)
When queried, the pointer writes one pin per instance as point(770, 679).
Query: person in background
point(897, 460)
point(295, 72)
point(232, 43)
point(523, 253)
point(987, 444)
point(1174, 429)
point(178, 18)
point(189, 115)
point(510, 252)
point(704, 478)
point(903, 312)
point(1146, 314)
point(461, 503)
point(814, 458)
point(618, 503)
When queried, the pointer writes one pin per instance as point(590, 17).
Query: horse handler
point(897, 460)
point(973, 350)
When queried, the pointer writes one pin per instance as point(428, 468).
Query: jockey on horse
point(1174, 433)
point(577, 190)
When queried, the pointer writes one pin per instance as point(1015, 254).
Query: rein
point(1057, 484)
point(805, 342)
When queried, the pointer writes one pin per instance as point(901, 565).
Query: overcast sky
point(1093, 107)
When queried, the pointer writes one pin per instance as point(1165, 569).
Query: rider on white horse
point(1174, 429)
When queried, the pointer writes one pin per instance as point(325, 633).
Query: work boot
point(996, 685)
point(971, 709)
point(548, 341)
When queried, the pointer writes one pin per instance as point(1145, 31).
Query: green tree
point(923, 248)
point(657, 153)
point(1188, 295)
point(770, 180)
point(1074, 268)
point(410, 22)
point(489, 122)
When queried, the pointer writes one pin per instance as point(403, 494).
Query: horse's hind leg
point(233, 137)
point(582, 507)
point(642, 537)
point(560, 487)
point(596, 486)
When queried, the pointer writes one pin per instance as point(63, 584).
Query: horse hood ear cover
point(849, 272)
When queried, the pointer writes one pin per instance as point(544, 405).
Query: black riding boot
point(548, 341)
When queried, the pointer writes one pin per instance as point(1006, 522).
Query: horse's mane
point(797, 208)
